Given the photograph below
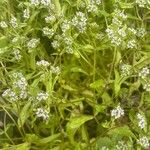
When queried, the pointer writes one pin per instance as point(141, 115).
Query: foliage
point(74, 74)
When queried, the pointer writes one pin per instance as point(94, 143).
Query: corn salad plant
point(74, 74)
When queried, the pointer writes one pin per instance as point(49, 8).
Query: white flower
point(48, 32)
point(117, 113)
point(15, 39)
point(69, 50)
point(132, 30)
point(116, 21)
point(26, 13)
point(92, 8)
point(35, 2)
point(80, 21)
point(147, 87)
point(17, 54)
point(55, 70)
point(131, 44)
point(55, 44)
point(122, 32)
point(121, 146)
point(142, 122)
point(49, 19)
point(42, 63)
point(144, 72)
point(119, 13)
point(144, 142)
point(104, 148)
point(141, 32)
point(141, 3)
point(3, 24)
point(45, 2)
point(13, 22)
point(42, 96)
point(65, 26)
point(98, 2)
point(10, 95)
point(33, 43)
point(125, 70)
point(42, 113)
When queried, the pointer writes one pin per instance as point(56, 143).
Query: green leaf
point(75, 123)
point(24, 146)
point(24, 114)
point(97, 84)
point(48, 139)
point(123, 131)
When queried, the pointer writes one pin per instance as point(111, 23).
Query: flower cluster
point(55, 70)
point(38, 2)
point(42, 113)
point(10, 95)
point(144, 142)
point(33, 43)
point(141, 3)
point(126, 70)
point(26, 14)
point(20, 84)
point(3, 24)
point(141, 120)
point(121, 145)
point(48, 32)
point(50, 18)
point(80, 21)
point(42, 63)
point(116, 31)
point(13, 22)
point(17, 54)
point(66, 25)
point(146, 87)
point(144, 72)
point(117, 113)
point(42, 96)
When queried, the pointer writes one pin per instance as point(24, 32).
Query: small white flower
point(116, 21)
point(65, 26)
point(131, 44)
point(42, 96)
point(3, 24)
point(146, 87)
point(141, 3)
point(55, 44)
point(17, 54)
point(13, 22)
point(125, 70)
point(15, 39)
point(33, 43)
point(42, 63)
point(122, 32)
point(69, 50)
point(49, 19)
point(144, 142)
point(55, 70)
point(42, 113)
point(141, 32)
point(144, 72)
point(45, 2)
point(35, 2)
point(80, 21)
point(104, 148)
point(26, 13)
point(117, 112)
point(10, 95)
point(142, 122)
point(132, 30)
point(48, 32)
point(92, 8)
point(121, 145)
